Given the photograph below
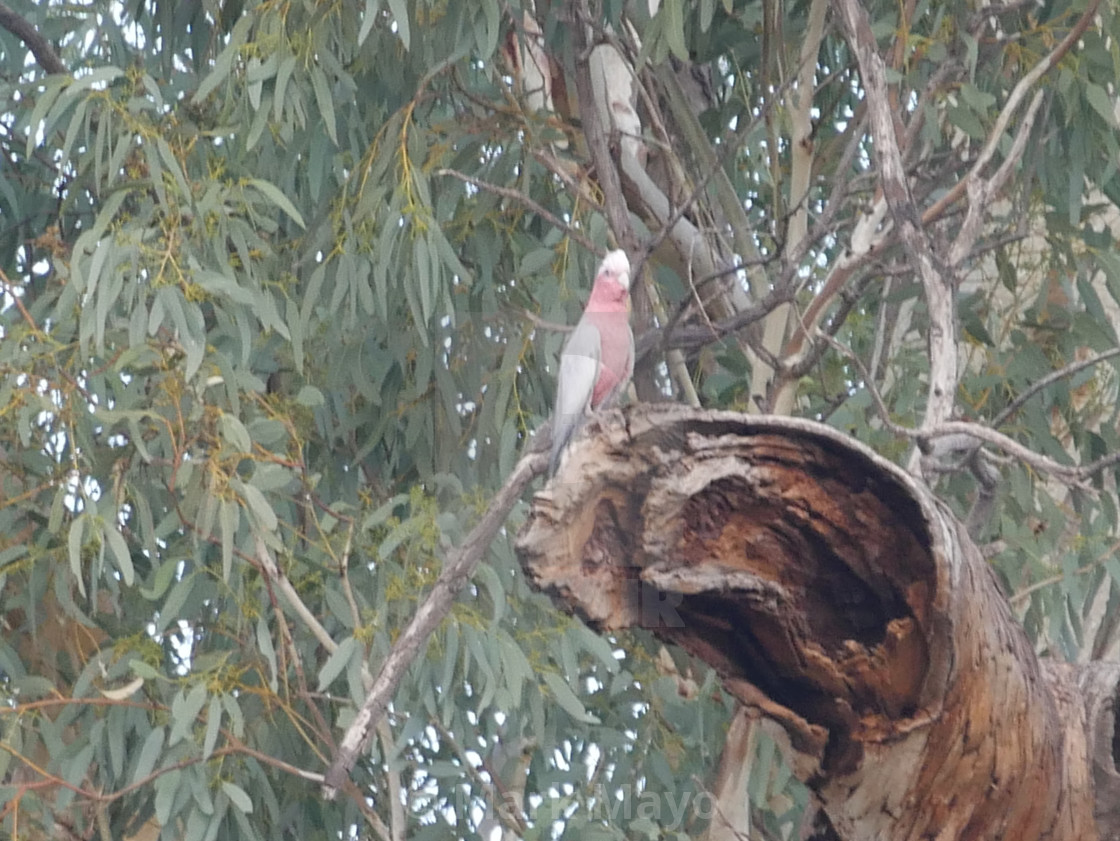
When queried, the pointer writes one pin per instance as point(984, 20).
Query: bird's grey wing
point(579, 369)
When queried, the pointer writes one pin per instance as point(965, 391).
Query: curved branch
point(1043, 464)
point(1035, 387)
point(598, 142)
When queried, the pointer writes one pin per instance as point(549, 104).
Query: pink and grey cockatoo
point(598, 359)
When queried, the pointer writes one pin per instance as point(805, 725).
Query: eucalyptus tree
point(284, 288)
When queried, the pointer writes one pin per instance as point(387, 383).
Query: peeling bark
point(843, 605)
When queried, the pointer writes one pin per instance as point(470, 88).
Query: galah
point(598, 359)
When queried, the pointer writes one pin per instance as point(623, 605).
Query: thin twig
point(542, 324)
point(495, 790)
point(1067, 371)
point(521, 198)
point(1013, 101)
point(1022, 595)
point(10, 288)
point(1068, 473)
point(793, 368)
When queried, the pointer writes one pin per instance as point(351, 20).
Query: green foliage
point(253, 321)
point(249, 318)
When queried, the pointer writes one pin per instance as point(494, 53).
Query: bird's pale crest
point(617, 266)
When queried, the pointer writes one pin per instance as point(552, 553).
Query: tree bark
point(846, 608)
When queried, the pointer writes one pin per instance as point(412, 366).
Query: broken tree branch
point(845, 607)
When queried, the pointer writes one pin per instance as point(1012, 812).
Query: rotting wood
point(840, 602)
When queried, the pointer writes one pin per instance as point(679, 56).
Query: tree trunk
point(847, 608)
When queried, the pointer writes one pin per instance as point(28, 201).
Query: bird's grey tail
point(563, 428)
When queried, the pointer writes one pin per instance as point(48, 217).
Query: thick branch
point(40, 47)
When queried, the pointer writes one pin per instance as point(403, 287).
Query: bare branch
point(936, 279)
point(1016, 97)
point(981, 193)
point(269, 567)
point(693, 337)
point(457, 570)
point(697, 142)
point(794, 369)
point(542, 324)
point(799, 99)
point(1064, 472)
point(713, 168)
point(398, 823)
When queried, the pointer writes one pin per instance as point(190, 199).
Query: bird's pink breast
point(614, 352)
